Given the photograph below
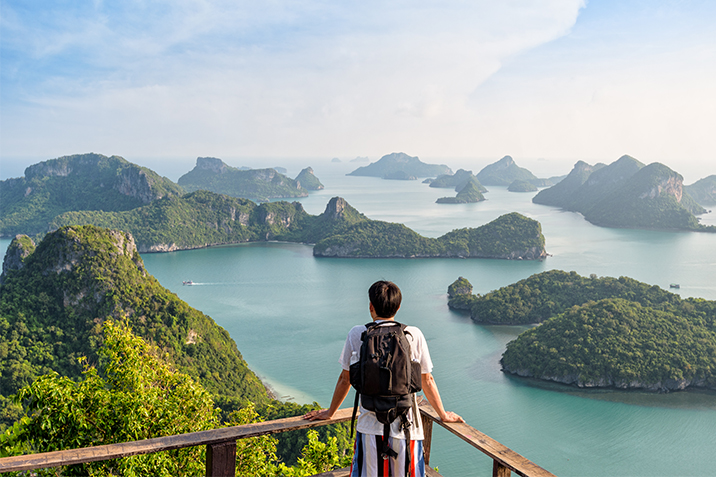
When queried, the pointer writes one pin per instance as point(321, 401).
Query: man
point(385, 299)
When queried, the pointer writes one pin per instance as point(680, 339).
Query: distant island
point(79, 182)
point(600, 332)
point(506, 171)
point(626, 194)
point(214, 175)
point(306, 179)
point(203, 219)
point(400, 162)
point(470, 193)
point(456, 181)
point(703, 191)
point(360, 159)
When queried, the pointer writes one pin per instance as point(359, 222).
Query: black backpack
point(386, 379)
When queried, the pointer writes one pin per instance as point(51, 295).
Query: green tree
point(133, 394)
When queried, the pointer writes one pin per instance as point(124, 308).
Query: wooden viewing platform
point(221, 447)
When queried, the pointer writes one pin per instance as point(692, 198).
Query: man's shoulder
point(414, 330)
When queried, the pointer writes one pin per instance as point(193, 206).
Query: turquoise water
point(289, 313)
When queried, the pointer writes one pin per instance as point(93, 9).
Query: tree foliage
point(135, 393)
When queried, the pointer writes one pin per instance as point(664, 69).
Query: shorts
point(367, 461)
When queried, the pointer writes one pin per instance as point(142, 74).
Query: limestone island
point(627, 194)
point(505, 171)
point(600, 332)
point(456, 181)
point(470, 193)
point(214, 175)
point(400, 162)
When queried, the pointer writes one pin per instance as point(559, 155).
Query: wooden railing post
point(427, 436)
point(499, 470)
point(221, 459)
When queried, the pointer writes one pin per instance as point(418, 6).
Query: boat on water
point(187, 282)
point(674, 285)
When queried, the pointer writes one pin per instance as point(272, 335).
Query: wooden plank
point(489, 446)
point(221, 459)
point(427, 436)
point(499, 470)
point(158, 444)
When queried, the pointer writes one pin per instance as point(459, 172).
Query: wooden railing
point(221, 446)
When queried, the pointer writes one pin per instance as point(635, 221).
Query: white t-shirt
point(366, 422)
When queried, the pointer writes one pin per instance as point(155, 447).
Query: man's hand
point(451, 417)
point(318, 415)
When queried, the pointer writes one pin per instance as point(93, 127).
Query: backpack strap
point(405, 424)
point(353, 418)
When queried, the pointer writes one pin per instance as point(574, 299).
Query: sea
point(289, 313)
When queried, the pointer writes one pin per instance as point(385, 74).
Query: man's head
point(385, 297)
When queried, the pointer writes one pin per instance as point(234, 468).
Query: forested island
point(456, 181)
point(93, 182)
point(399, 165)
point(627, 194)
point(506, 171)
point(214, 175)
point(57, 301)
point(600, 332)
point(203, 219)
point(469, 193)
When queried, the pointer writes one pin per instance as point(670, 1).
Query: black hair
point(385, 297)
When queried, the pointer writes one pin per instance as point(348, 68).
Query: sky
point(448, 81)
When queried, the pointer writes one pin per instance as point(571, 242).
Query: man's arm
point(339, 394)
point(430, 389)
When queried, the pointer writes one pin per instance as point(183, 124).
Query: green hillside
point(261, 184)
point(54, 300)
point(78, 182)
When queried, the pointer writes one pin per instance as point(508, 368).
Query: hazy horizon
point(161, 83)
